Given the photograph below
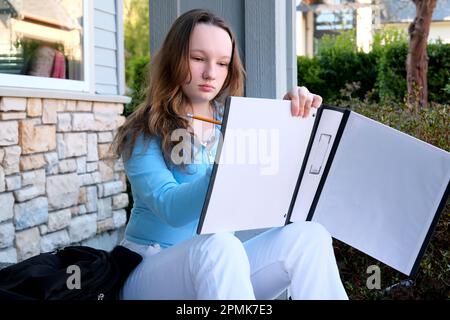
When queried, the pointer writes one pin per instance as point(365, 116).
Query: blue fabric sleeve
point(175, 203)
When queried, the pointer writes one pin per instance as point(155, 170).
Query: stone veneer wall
point(58, 184)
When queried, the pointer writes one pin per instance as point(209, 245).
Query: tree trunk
point(417, 60)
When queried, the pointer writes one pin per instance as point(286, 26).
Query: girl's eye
point(223, 64)
point(198, 58)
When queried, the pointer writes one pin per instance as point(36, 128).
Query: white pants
point(220, 266)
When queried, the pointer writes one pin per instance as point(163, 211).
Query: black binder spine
point(329, 161)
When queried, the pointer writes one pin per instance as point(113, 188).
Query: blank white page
point(260, 162)
point(382, 191)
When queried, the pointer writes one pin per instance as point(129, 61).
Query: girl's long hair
point(161, 112)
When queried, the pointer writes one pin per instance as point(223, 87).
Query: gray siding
point(106, 47)
point(105, 57)
point(261, 67)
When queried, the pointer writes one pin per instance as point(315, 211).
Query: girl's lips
point(206, 88)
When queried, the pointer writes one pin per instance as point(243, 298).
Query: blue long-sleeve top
point(168, 200)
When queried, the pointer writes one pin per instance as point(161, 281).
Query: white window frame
point(32, 82)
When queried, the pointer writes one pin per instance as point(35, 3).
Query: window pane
point(42, 38)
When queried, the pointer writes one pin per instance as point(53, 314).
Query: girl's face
point(209, 57)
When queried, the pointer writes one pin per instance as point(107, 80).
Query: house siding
point(106, 46)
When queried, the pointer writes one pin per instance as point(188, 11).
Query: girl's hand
point(302, 101)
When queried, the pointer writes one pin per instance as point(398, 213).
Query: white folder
point(373, 187)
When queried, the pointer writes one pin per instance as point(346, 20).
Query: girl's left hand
point(302, 101)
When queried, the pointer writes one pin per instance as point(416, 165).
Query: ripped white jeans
point(220, 266)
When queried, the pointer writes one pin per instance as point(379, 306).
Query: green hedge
point(334, 76)
point(339, 70)
point(439, 72)
point(138, 71)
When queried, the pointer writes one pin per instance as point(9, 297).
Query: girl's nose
point(209, 72)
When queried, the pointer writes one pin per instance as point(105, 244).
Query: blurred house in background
point(316, 18)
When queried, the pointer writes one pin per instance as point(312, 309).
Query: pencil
point(190, 115)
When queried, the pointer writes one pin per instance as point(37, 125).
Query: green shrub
point(330, 45)
point(309, 74)
point(391, 72)
point(447, 87)
point(439, 72)
point(339, 70)
point(391, 78)
point(337, 65)
point(138, 67)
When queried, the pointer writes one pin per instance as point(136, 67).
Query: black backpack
point(48, 276)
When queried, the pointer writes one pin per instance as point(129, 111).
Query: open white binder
point(373, 187)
